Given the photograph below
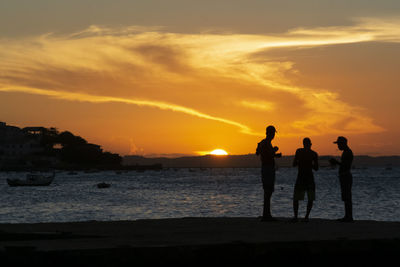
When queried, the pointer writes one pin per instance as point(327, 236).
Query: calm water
point(209, 193)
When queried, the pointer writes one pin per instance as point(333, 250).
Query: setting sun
point(194, 84)
point(218, 152)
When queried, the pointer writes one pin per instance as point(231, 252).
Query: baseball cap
point(341, 139)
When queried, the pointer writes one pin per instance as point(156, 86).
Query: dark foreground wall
point(304, 253)
point(201, 241)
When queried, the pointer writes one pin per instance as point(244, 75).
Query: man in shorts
point(345, 177)
point(306, 160)
point(267, 155)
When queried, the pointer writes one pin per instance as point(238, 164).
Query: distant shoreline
point(250, 161)
point(140, 163)
point(119, 170)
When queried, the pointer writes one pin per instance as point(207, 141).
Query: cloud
point(201, 75)
point(365, 29)
point(258, 105)
point(145, 103)
point(134, 150)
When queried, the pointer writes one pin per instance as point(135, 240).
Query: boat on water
point(32, 179)
point(103, 185)
point(91, 171)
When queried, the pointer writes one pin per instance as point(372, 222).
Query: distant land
point(38, 147)
point(35, 148)
point(249, 161)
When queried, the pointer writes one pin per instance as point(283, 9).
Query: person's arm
point(277, 155)
point(315, 165)
point(334, 161)
point(296, 160)
point(258, 149)
point(347, 160)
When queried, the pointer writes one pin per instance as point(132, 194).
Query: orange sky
point(141, 89)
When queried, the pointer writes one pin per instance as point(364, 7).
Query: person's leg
point(298, 194)
point(348, 207)
point(296, 208)
point(267, 204)
point(268, 180)
point(310, 199)
point(267, 216)
point(309, 207)
point(347, 198)
point(349, 203)
point(343, 193)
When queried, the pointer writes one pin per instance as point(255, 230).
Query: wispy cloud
point(195, 74)
point(146, 103)
point(258, 105)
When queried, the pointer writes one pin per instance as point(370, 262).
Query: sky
point(187, 77)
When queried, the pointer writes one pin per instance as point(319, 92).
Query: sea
point(183, 192)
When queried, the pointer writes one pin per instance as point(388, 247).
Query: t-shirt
point(346, 161)
point(266, 152)
point(305, 160)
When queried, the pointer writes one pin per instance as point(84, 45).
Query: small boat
point(91, 171)
point(32, 179)
point(103, 185)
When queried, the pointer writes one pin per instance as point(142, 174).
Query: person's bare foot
point(294, 220)
point(306, 220)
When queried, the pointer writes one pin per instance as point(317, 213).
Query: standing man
point(306, 160)
point(345, 177)
point(267, 155)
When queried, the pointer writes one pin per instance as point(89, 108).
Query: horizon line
point(291, 155)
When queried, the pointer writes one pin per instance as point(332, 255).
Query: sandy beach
point(198, 240)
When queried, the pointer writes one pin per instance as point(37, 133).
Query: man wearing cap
point(345, 177)
point(306, 159)
point(267, 155)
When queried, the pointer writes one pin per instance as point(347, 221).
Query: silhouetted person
point(345, 177)
point(306, 160)
point(267, 155)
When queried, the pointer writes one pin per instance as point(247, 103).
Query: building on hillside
point(34, 130)
point(20, 148)
point(16, 143)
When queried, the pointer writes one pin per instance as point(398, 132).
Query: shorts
point(346, 182)
point(300, 190)
point(268, 178)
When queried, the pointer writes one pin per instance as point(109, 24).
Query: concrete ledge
point(199, 241)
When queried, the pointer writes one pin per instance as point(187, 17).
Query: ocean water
point(230, 192)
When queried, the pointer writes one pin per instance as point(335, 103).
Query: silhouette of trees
point(68, 139)
point(75, 149)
